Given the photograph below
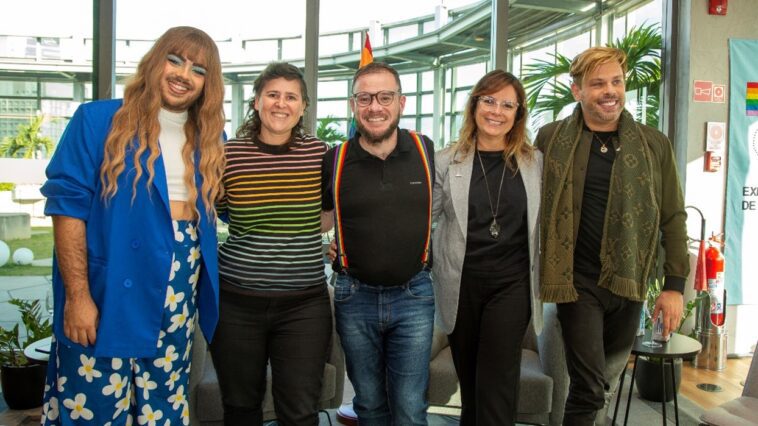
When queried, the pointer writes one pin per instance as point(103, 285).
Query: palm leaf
point(543, 73)
point(327, 132)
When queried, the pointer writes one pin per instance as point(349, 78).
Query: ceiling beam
point(562, 6)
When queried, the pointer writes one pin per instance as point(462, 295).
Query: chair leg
point(618, 396)
point(673, 386)
point(631, 388)
point(328, 418)
point(663, 386)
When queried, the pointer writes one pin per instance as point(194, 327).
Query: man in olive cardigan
point(610, 194)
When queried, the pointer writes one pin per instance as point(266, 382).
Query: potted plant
point(648, 376)
point(23, 380)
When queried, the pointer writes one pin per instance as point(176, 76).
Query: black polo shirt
point(384, 205)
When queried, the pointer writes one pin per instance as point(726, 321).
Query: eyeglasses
point(383, 97)
point(490, 104)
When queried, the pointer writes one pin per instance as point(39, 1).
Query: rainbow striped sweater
point(273, 204)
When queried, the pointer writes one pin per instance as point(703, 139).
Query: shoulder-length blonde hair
point(138, 119)
point(516, 143)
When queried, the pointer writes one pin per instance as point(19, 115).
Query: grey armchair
point(205, 395)
point(739, 411)
point(544, 379)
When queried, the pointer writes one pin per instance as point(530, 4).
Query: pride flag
point(367, 57)
point(751, 97)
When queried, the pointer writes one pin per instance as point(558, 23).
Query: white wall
point(21, 171)
point(709, 60)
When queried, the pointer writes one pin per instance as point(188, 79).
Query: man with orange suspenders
point(378, 184)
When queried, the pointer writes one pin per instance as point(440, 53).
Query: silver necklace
point(494, 227)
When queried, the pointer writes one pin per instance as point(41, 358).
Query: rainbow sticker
point(751, 99)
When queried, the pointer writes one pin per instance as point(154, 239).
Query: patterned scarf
point(632, 216)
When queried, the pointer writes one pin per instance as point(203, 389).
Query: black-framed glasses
point(383, 97)
point(491, 104)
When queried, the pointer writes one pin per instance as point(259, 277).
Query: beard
point(378, 137)
point(601, 115)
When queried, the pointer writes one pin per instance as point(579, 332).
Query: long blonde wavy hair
point(138, 119)
point(516, 141)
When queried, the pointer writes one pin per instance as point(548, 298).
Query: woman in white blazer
point(486, 205)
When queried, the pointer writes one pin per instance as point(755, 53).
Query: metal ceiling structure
point(463, 40)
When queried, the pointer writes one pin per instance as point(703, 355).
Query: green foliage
point(11, 347)
point(545, 91)
point(7, 186)
point(28, 141)
point(327, 131)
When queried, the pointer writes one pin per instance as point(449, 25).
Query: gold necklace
point(494, 226)
point(604, 144)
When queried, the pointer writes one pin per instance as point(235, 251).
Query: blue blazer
point(129, 242)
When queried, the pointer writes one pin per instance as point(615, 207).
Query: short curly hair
point(251, 127)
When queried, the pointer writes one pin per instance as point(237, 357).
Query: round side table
point(39, 351)
point(678, 346)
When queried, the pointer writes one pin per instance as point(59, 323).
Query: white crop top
point(171, 140)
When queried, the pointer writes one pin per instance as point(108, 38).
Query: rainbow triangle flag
point(367, 57)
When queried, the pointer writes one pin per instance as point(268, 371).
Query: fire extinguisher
point(714, 272)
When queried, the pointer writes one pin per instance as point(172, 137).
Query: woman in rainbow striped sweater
point(274, 305)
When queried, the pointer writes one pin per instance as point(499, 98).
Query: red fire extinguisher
point(714, 272)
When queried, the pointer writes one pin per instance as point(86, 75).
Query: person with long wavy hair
point(132, 189)
point(274, 303)
point(486, 204)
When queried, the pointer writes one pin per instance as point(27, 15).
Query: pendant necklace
point(604, 144)
point(494, 227)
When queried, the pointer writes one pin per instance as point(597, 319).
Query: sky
point(221, 19)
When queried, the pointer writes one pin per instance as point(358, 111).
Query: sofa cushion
point(737, 412)
point(443, 382)
point(536, 388)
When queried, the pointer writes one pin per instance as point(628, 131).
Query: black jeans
point(493, 315)
point(293, 332)
point(597, 326)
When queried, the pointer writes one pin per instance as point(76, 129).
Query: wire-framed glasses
point(491, 104)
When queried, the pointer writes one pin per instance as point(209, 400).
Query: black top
point(507, 255)
point(594, 202)
point(384, 206)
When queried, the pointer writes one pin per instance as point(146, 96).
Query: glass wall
point(45, 63)
point(31, 41)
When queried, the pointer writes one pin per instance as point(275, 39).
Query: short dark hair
point(377, 67)
point(251, 127)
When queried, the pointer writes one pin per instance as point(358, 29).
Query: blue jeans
point(386, 333)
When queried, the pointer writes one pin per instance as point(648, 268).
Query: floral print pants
point(84, 390)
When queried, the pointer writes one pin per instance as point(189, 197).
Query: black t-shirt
point(508, 255)
point(385, 210)
point(594, 202)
